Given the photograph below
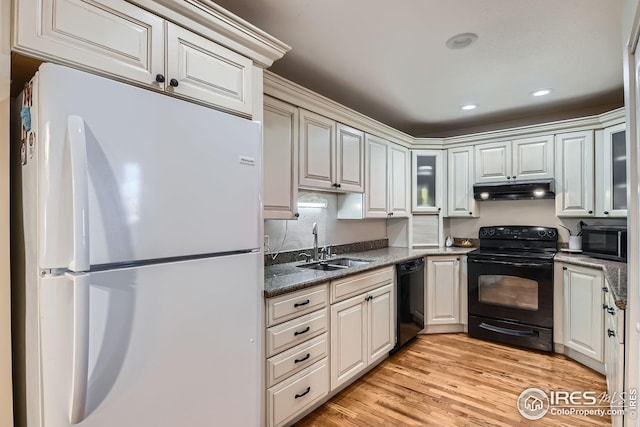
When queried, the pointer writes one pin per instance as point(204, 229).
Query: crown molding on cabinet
point(215, 23)
point(300, 96)
point(285, 90)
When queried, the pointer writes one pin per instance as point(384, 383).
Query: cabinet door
point(460, 183)
point(376, 190)
point(533, 158)
point(200, 69)
point(443, 290)
point(112, 37)
point(574, 174)
point(611, 172)
point(317, 145)
point(399, 184)
point(493, 162)
point(427, 181)
point(280, 154)
point(583, 314)
point(381, 325)
point(348, 339)
point(350, 159)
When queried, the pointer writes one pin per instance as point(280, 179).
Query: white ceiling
point(388, 60)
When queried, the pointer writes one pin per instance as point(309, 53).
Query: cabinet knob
point(439, 209)
point(611, 310)
point(470, 213)
point(590, 212)
point(173, 83)
point(339, 185)
point(605, 306)
point(604, 289)
point(159, 78)
point(297, 215)
point(606, 212)
point(508, 177)
point(611, 333)
point(334, 185)
point(514, 177)
point(390, 213)
point(564, 268)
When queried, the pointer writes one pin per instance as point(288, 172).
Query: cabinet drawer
point(354, 285)
point(291, 397)
point(113, 37)
point(296, 359)
point(286, 307)
point(286, 335)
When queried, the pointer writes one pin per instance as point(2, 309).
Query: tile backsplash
point(331, 230)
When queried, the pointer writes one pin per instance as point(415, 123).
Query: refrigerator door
point(127, 174)
point(165, 345)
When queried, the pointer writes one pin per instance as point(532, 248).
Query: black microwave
point(608, 242)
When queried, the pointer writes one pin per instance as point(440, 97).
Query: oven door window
point(508, 291)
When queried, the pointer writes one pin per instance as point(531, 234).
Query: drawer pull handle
point(303, 393)
point(304, 331)
point(611, 311)
point(300, 304)
point(303, 359)
point(611, 333)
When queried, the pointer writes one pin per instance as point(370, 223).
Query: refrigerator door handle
point(80, 354)
point(76, 135)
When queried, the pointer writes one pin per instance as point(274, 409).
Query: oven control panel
point(517, 232)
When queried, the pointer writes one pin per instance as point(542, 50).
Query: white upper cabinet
point(493, 162)
point(280, 159)
point(399, 185)
point(113, 37)
point(521, 159)
point(200, 69)
point(121, 40)
point(428, 175)
point(376, 180)
point(611, 172)
point(317, 151)
point(350, 159)
point(532, 158)
point(574, 174)
point(460, 183)
point(331, 154)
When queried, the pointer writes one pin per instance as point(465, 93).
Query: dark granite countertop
point(615, 273)
point(284, 278)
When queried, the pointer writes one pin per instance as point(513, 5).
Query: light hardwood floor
point(454, 380)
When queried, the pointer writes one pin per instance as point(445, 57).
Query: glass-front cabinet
point(611, 172)
point(427, 186)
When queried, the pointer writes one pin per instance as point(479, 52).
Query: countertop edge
point(391, 259)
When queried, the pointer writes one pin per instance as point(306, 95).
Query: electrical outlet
point(266, 240)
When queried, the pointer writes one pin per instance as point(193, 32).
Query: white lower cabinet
point(614, 353)
point(297, 368)
point(583, 319)
point(291, 397)
point(362, 326)
point(446, 297)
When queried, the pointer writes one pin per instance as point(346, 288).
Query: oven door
point(512, 289)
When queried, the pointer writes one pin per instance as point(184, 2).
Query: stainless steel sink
point(335, 264)
point(348, 262)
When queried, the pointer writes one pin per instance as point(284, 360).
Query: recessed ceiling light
point(460, 41)
point(469, 107)
point(541, 92)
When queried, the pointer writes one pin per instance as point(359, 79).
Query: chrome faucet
point(315, 242)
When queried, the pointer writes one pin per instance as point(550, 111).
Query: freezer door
point(127, 174)
point(166, 345)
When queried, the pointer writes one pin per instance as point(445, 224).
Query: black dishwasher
point(410, 301)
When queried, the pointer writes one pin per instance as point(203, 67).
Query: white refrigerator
point(139, 290)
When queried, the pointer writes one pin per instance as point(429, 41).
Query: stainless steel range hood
point(515, 190)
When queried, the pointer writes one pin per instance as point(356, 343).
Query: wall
point(6, 405)
point(330, 229)
point(519, 212)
